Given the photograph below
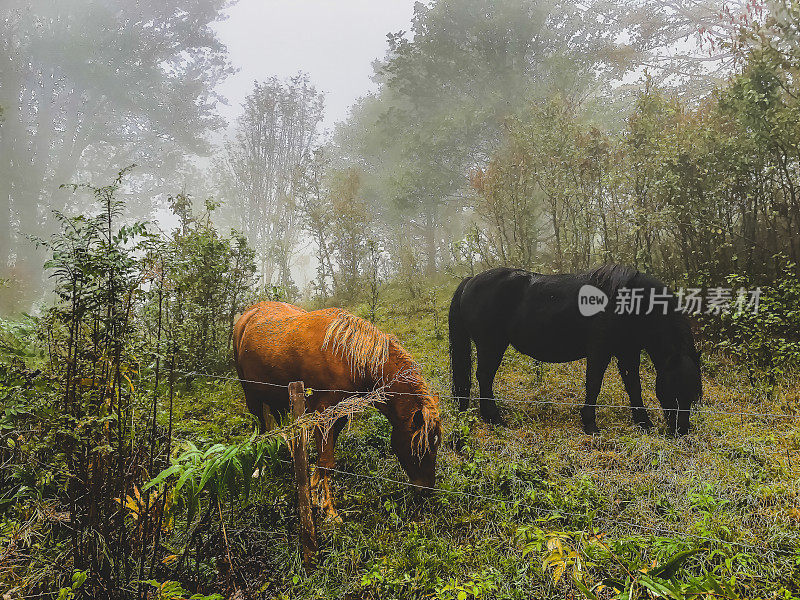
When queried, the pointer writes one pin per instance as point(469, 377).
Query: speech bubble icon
point(591, 300)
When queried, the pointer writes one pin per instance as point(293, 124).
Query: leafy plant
point(223, 472)
point(661, 582)
point(78, 579)
point(767, 340)
point(172, 590)
point(204, 279)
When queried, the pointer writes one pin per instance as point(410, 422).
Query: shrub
point(767, 341)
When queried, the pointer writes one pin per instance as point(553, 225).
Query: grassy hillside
point(536, 509)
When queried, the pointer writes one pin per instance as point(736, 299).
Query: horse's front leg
point(320, 479)
point(666, 397)
point(628, 365)
point(489, 358)
point(595, 369)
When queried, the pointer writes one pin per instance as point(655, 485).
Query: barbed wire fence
point(440, 395)
point(360, 401)
point(357, 402)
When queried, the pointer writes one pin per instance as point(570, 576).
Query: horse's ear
point(417, 419)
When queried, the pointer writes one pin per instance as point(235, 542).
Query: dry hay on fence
point(355, 404)
point(324, 420)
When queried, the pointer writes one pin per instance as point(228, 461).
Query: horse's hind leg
point(320, 478)
point(628, 365)
point(595, 369)
point(258, 405)
point(489, 358)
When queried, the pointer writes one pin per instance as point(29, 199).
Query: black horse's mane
point(610, 277)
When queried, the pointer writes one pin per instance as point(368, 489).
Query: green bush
point(203, 280)
point(767, 341)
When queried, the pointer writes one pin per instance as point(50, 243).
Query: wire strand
point(542, 511)
point(506, 400)
point(555, 512)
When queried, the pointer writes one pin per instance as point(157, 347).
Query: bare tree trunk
point(430, 243)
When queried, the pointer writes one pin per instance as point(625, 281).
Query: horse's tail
point(236, 339)
point(460, 350)
point(237, 336)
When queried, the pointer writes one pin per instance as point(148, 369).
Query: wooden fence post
point(308, 534)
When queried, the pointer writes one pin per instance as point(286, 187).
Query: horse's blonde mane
point(365, 348)
point(421, 439)
point(362, 345)
point(426, 403)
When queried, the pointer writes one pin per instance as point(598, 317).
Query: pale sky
point(334, 41)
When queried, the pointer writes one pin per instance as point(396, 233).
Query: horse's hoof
point(331, 516)
point(494, 418)
point(591, 429)
point(642, 419)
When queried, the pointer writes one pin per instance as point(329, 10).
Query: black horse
point(542, 316)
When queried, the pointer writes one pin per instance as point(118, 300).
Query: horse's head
point(679, 386)
point(416, 436)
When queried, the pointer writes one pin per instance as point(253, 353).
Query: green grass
point(507, 493)
point(209, 412)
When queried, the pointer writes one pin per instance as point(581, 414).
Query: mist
point(406, 102)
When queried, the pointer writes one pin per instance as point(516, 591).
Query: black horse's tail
point(460, 350)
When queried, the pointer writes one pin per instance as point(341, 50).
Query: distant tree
point(317, 217)
point(351, 224)
point(261, 168)
point(658, 31)
point(90, 86)
point(447, 91)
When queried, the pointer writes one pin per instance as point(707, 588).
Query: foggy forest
point(206, 203)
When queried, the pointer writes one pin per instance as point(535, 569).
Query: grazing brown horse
point(331, 349)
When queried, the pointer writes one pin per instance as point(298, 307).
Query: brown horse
point(331, 349)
